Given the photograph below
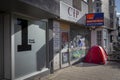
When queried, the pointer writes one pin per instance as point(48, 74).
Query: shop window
point(79, 41)
point(99, 37)
point(30, 46)
point(77, 4)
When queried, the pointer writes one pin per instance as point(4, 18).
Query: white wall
point(93, 38)
point(70, 2)
point(84, 10)
point(105, 9)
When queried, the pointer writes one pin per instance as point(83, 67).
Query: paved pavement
point(85, 71)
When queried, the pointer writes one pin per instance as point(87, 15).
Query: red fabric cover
point(96, 55)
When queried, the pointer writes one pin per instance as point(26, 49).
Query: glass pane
point(79, 39)
point(30, 46)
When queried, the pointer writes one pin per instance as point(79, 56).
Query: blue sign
point(95, 19)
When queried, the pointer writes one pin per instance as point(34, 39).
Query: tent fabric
point(96, 55)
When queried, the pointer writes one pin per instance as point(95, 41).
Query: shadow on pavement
point(111, 64)
point(114, 64)
point(82, 64)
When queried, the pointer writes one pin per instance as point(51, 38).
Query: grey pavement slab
point(87, 71)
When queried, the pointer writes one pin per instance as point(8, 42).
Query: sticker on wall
point(64, 39)
point(65, 57)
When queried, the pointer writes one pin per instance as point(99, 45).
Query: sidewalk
point(85, 71)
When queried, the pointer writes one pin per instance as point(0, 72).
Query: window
point(77, 4)
point(111, 15)
point(111, 24)
point(98, 5)
point(99, 38)
point(98, 10)
point(30, 48)
point(111, 38)
point(111, 3)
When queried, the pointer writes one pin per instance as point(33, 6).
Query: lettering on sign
point(73, 12)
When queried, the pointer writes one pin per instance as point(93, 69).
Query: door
point(65, 49)
point(1, 47)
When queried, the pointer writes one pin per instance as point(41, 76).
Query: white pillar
point(93, 38)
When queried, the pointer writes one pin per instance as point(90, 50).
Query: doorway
point(1, 48)
point(65, 49)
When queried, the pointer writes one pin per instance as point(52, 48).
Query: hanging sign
point(95, 19)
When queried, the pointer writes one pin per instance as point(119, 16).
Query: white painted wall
point(69, 2)
point(105, 9)
point(93, 38)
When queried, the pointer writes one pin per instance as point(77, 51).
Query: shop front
point(61, 36)
point(70, 37)
point(24, 39)
point(29, 51)
point(75, 36)
point(71, 42)
point(65, 36)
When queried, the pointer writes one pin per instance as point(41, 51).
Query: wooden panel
point(64, 26)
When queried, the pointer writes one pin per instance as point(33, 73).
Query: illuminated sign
point(95, 19)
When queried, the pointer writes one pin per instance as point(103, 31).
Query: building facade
point(71, 42)
point(24, 52)
point(118, 27)
point(38, 38)
point(104, 35)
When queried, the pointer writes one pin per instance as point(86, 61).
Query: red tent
point(97, 55)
